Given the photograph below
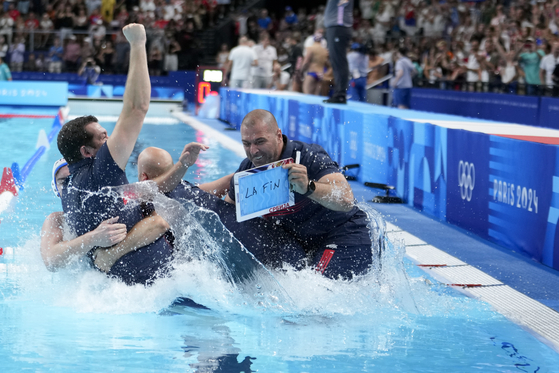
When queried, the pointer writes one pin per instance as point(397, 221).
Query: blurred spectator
point(95, 17)
point(13, 12)
point(376, 64)
point(280, 79)
point(253, 31)
point(17, 52)
point(47, 27)
point(315, 64)
point(529, 60)
point(72, 53)
point(290, 17)
point(87, 50)
point(402, 81)
point(65, 22)
point(338, 20)
point(264, 22)
point(5, 73)
point(155, 59)
point(547, 65)
point(40, 63)
point(296, 60)
point(108, 9)
point(81, 22)
point(242, 19)
point(358, 62)
point(98, 31)
point(473, 75)
point(241, 59)
point(122, 49)
point(56, 53)
point(309, 41)
point(171, 58)
point(105, 57)
point(3, 46)
point(267, 55)
point(32, 25)
point(30, 65)
point(222, 56)
point(6, 26)
point(89, 71)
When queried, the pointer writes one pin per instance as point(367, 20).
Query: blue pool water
point(77, 320)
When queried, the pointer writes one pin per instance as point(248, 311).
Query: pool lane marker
point(538, 319)
point(535, 317)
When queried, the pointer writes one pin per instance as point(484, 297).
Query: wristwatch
point(310, 188)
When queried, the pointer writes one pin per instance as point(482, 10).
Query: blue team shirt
point(86, 204)
point(57, 52)
point(264, 22)
point(307, 220)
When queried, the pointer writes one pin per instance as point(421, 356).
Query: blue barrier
point(492, 106)
point(33, 93)
point(504, 190)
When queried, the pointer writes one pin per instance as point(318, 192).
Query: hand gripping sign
point(262, 190)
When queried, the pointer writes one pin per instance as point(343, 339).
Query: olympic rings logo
point(466, 179)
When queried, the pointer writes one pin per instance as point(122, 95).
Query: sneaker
point(336, 100)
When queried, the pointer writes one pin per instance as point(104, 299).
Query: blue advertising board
point(33, 93)
point(467, 192)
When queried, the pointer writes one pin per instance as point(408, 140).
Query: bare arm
point(218, 187)
point(143, 233)
point(136, 98)
point(332, 191)
point(229, 200)
point(57, 253)
point(307, 60)
point(170, 179)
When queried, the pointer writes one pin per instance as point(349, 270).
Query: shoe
point(336, 100)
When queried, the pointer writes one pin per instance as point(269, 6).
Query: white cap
point(55, 168)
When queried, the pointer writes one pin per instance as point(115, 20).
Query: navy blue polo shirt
point(86, 204)
point(307, 220)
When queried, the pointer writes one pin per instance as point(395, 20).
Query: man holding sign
point(332, 230)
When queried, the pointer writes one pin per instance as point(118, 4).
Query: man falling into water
point(331, 229)
point(96, 161)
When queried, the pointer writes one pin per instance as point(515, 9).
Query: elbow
point(161, 224)
point(50, 262)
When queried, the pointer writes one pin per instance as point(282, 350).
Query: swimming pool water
point(78, 320)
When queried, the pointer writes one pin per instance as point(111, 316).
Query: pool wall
point(504, 190)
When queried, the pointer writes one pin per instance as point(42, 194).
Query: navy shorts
point(347, 251)
point(401, 96)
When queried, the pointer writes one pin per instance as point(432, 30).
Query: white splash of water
point(202, 275)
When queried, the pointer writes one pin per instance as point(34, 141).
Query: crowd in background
point(61, 36)
point(497, 46)
point(492, 45)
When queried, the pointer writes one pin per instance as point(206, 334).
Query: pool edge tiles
point(535, 317)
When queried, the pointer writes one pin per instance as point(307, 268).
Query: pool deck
point(517, 286)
